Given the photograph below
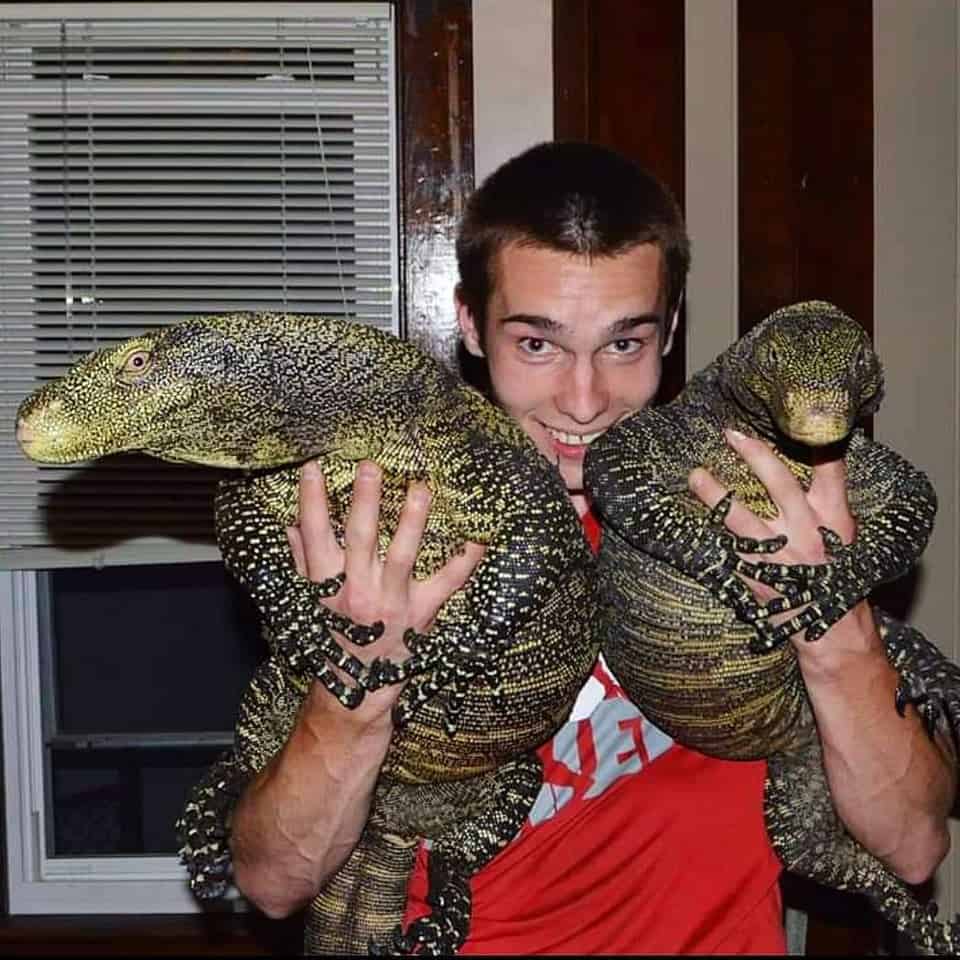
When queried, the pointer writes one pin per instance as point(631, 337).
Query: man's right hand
point(300, 817)
point(374, 589)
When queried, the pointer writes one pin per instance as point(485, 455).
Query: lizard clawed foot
point(717, 518)
point(348, 696)
point(824, 609)
point(329, 587)
point(929, 707)
point(359, 633)
point(202, 827)
point(831, 541)
point(710, 554)
point(309, 645)
point(452, 681)
point(444, 929)
point(311, 650)
point(424, 688)
point(383, 672)
point(380, 672)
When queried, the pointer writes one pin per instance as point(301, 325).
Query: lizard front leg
point(267, 712)
point(202, 826)
point(701, 548)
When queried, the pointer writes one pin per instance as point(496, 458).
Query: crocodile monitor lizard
point(684, 635)
point(487, 684)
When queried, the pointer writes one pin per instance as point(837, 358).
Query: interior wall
point(513, 79)
point(619, 81)
point(712, 208)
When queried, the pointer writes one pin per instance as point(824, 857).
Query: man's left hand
point(800, 513)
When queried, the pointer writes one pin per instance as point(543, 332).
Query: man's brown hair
point(576, 198)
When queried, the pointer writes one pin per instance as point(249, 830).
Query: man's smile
point(573, 439)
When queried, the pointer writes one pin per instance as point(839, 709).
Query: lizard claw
point(831, 540)
point(928, 707)
point(717, 518)
point(349, 697)
point(812, 621)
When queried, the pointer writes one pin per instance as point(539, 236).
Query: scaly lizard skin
point(683, 632)
point(490, 681)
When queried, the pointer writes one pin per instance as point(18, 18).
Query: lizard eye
point(863, 360)
point(135, 366)
point(768, 355)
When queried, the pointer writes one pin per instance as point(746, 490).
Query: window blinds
point(161, 161)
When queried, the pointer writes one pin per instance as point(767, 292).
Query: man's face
point(573, 345)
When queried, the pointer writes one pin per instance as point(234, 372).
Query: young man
point(572, 264)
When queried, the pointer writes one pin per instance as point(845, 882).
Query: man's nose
point(583, 395)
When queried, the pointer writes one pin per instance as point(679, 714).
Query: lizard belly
point(685, 661)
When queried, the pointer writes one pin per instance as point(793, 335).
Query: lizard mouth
point(45, 438)
point(815, 418)
point(817, 430)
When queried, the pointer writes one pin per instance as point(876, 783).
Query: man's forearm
point(893, 786)
point(299, 819)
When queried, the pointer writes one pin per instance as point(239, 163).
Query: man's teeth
point(574, 439)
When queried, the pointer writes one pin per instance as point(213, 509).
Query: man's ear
point(671, 328)
point(467, 323)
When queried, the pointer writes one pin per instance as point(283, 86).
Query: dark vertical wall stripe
point(571, 69)
point(618, 81)
point(805, 147)
point(806, 156)
point(435, 83)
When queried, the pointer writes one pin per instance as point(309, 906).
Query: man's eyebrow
point(548, 325)
point(533, 320)
point(628, 324)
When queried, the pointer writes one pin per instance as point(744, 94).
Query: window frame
point(36, 882)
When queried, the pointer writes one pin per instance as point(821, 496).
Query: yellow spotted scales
point(491, 680)
point(705, 661)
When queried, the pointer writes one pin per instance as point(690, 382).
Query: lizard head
point(193, 392)
point(808, 372)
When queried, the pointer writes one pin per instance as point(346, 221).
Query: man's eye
point(534, 345)
point(626, 346)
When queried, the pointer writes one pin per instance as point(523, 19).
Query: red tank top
point(635, 844)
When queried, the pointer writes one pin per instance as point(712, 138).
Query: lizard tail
point(918, 921)
point(811, 841)
point(889, 896)
point(361, 907)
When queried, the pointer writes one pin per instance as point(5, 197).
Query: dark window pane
point(122, 802)
point(148, 649)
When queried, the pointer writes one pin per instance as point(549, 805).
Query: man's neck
point(580, 502)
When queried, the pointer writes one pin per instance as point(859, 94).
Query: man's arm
point(892, 785)
point(298, 820)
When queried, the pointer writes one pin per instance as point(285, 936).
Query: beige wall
point(711, 178)
point(915, 291)
point(513, 79)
